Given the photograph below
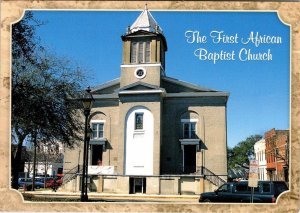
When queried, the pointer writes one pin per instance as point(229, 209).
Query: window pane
point(133, 52)
point(193, 130)
point(193, 126)
point(139, 121)
point(100, 130)
point(141, 52)
point(224, 188)
point(147, 53)
point(186, 130)
point(94, 129)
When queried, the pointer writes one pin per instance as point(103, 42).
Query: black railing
point(212, 177)
point(71, 174)
point(207, 175)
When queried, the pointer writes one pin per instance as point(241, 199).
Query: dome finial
point(146, 6)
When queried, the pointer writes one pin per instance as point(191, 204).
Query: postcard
point(149, 106)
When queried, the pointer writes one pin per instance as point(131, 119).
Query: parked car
point(43, 179)
point(55, 181)
point(27, 182)
point(266, 192)
point(23, 181)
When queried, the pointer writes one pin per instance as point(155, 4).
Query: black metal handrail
point(212, 177)
point(71, 174)
point(206, 173)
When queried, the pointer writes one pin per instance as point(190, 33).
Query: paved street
point(51, 196)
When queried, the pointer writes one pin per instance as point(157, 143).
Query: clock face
point(140, 73)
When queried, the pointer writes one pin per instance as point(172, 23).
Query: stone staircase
point(212, 177)
point(69, 179)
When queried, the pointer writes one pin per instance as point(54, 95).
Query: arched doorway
point(139, 141)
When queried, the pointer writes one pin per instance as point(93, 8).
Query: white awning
point(100, 141)
point(193, 141)
point(190, 141)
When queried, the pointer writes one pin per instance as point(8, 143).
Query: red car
point(56, 181)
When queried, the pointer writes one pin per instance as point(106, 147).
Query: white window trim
point(142, 91)
point(189, 121)
point(144, 65)
point(98, 122)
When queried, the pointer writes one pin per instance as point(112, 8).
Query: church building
point(152, 133)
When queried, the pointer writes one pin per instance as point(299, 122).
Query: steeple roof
point(145, 22)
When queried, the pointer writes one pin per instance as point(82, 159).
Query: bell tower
point(144, 47)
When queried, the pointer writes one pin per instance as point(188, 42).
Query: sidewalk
point(109, 197)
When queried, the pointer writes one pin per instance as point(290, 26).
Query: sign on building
point(101, 170)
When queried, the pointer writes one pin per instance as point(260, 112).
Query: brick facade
point(277, 154)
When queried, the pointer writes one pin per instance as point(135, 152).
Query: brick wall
point(277, 154)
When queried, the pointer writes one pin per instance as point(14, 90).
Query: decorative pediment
point(170, 87)
point(109, 87)
point(140, 87)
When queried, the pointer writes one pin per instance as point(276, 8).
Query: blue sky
point(259, 90)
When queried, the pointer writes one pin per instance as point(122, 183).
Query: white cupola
point(144, 47)
point(145, 22)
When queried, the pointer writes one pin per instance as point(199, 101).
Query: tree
point(238, 155)
point(43, 86)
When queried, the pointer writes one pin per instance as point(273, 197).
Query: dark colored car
point(266, 192)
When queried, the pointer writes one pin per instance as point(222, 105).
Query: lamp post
point(87, 101)
point(202, 161)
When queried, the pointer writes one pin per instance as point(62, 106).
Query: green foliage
point(42, 87)
point(23, 35)
point(41, 101)
point(238, 155)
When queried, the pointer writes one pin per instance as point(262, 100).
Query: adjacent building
point(260, 155)
point(43, 169)
point(277, 154)
point(152, 133)
point(49, 160)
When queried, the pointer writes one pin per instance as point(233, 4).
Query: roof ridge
point(188, 84)
point(105, 84)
